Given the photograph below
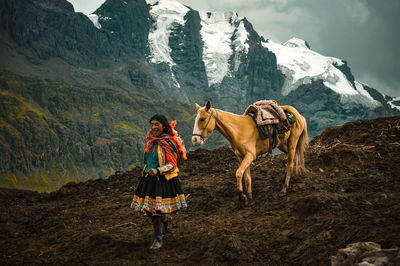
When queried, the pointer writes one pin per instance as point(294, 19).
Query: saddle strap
point(270, 140)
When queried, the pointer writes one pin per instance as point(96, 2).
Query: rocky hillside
point(55, 133)
point(349, 195)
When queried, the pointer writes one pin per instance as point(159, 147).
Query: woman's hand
point(153, 172)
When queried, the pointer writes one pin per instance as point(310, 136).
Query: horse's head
point(203, 126)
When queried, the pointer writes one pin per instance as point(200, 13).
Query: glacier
point(218, 30)
point(223, 34)
point(166, 14)
point(301, 65)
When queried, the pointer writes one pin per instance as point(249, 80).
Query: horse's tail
point(300, 149)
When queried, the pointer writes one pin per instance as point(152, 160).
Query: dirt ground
point(350, 194)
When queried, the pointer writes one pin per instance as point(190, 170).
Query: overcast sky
point(365, 33)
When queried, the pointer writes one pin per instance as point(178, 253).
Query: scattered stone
point(366, 254)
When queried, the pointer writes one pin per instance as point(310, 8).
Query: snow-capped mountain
point(225, 45)
point(223, 36)
point(302, 66)
point(222, 33)
point(395, 103)
point(191, 56)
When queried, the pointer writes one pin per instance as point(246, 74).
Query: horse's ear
point(208, 106)
point(198, 106)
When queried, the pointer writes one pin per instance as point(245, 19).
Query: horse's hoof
point(283, 192)
point(243, 201)
point(251, 202)
point(242, 197)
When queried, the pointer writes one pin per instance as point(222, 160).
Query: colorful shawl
point(164, 141)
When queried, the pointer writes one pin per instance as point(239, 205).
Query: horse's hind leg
point(289, 166)
point(247, 182)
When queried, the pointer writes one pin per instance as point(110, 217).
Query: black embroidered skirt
point(156, 195)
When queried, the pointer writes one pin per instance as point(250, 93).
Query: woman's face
point(156, 128)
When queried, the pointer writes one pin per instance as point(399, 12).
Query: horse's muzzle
point(197, 140)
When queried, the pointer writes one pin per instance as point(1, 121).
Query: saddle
point(271, 120)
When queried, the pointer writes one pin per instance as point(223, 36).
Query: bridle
point(208, 121)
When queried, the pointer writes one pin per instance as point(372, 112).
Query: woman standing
point(159, 192)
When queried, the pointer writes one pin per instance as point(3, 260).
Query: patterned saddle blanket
point(270, 118)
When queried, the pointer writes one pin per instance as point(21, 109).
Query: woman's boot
point(158, 234)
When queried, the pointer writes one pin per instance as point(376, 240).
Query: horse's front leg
point(244, 165)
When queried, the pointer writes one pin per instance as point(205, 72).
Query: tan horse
point(247, 143)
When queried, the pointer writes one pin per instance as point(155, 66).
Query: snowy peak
point(395, 103)
point(301, 65)
point(297, 43)
point(208, 17)
point(223, 36)
point(169, 7)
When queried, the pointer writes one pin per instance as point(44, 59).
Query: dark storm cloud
point(365, 33)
